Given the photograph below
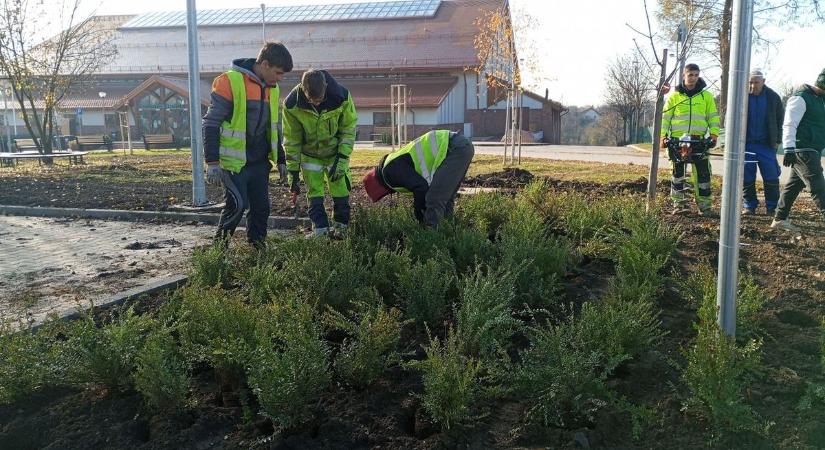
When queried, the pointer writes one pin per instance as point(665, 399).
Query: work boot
point(323, 231)
point(749, 212)
point(785, 225)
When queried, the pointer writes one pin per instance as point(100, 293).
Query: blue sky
point(574, 41)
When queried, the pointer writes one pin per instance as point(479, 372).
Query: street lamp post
point(263, 23)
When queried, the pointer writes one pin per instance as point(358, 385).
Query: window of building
point(381, 119)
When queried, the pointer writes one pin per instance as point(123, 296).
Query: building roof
point(444, 40)
point(291, 14)
point(176, 84)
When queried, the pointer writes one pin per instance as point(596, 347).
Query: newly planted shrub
point(217, 327)
point(543, 260)
point(749, 303)
point(718, 371)
point(423, 289)
point(28, 362)
point(485, 212)
point(467, 246)
point(585, 219)
point(637, 273)
point(162, 376)
point(209, 266)
point(289, 369)
point(484, 320)
point(450, 381)
point(374, 332)
point(107, 354)
point(386, 269)
point(371, 228)
point(563, 372)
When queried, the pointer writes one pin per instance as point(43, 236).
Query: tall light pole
point(263, 23)
point(736, 119)
point(198, 187)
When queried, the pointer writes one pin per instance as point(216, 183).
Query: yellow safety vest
point(233, 133)
point(427, 153)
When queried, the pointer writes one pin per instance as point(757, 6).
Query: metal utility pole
point(657, 129)
point(198, 187)
point(263, 23)
point(736, 119)
point(520, 126)
point(681, 40)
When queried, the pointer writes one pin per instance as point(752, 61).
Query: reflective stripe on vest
point(427, 153)
point(233, 133)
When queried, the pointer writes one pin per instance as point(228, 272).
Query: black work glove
point(790, 157)
point(294, 183)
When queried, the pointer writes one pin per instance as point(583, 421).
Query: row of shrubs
point(481, 298)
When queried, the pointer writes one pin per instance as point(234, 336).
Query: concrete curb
point(133, 216)
point(159, 285)
point(639, 149)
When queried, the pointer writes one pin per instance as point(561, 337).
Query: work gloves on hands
point(213, 173)
point(790, 157)
point(294, 182)
point(282, 174)
point(713, 140)
point(339, 168)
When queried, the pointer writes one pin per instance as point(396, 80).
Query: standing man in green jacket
point(242, 138)
point(803, 137)
point(690, 111)
point(319, 135)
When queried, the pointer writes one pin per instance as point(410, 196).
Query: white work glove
point(282, 173)
point(213, 174)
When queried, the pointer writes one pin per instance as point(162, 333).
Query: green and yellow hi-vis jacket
point(693, 114)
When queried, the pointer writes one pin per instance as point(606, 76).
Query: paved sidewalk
point(54, 265)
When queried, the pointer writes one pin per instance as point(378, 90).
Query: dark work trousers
point(763, 157)
point(700, 181)
point(440, 198)
point(806, 172)
point(247, 189)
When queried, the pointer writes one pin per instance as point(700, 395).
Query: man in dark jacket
point(242, 138)
point(765, 113)
point(803, 136)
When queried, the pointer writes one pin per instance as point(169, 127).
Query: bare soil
point(387, 415)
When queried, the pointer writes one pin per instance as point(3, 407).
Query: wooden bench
point(88, 142)
point(151, 141)
point(10, 159)
point(22, 145)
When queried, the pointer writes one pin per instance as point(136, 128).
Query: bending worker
point(319, 135)
point(430, 168)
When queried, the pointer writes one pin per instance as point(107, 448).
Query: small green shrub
point(540, 197)
point(209, 266)
point(749, 304)
point(467, 246)
point(648, 233)
point(485, 212)
point(29, 361)
point(718, 371)
point(423, 289)
point(162, 376)
point(585, 219)
point(386, 269)
point(374, 334)
point(329, 273)
point(289, 370)
point(542, 259)
point(107, 354)
point(217, 327)
point(450, 379)
point(637, 273)
point(563, 373)
point(484, 319)
point(385, 226)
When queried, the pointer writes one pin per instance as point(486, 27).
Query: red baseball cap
point(375, 189)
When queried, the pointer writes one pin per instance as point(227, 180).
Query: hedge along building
point(427, 45)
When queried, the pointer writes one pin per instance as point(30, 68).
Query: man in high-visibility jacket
point(242, 138)
point(690, 110)
point(319, 135)
point(430, 168)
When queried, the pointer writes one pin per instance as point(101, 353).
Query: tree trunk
point(724, 57)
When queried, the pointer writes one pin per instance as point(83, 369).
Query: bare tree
point(42, 72)
point(712, 37)
point(627, 90)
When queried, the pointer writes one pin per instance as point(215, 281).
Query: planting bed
point(562, 316)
